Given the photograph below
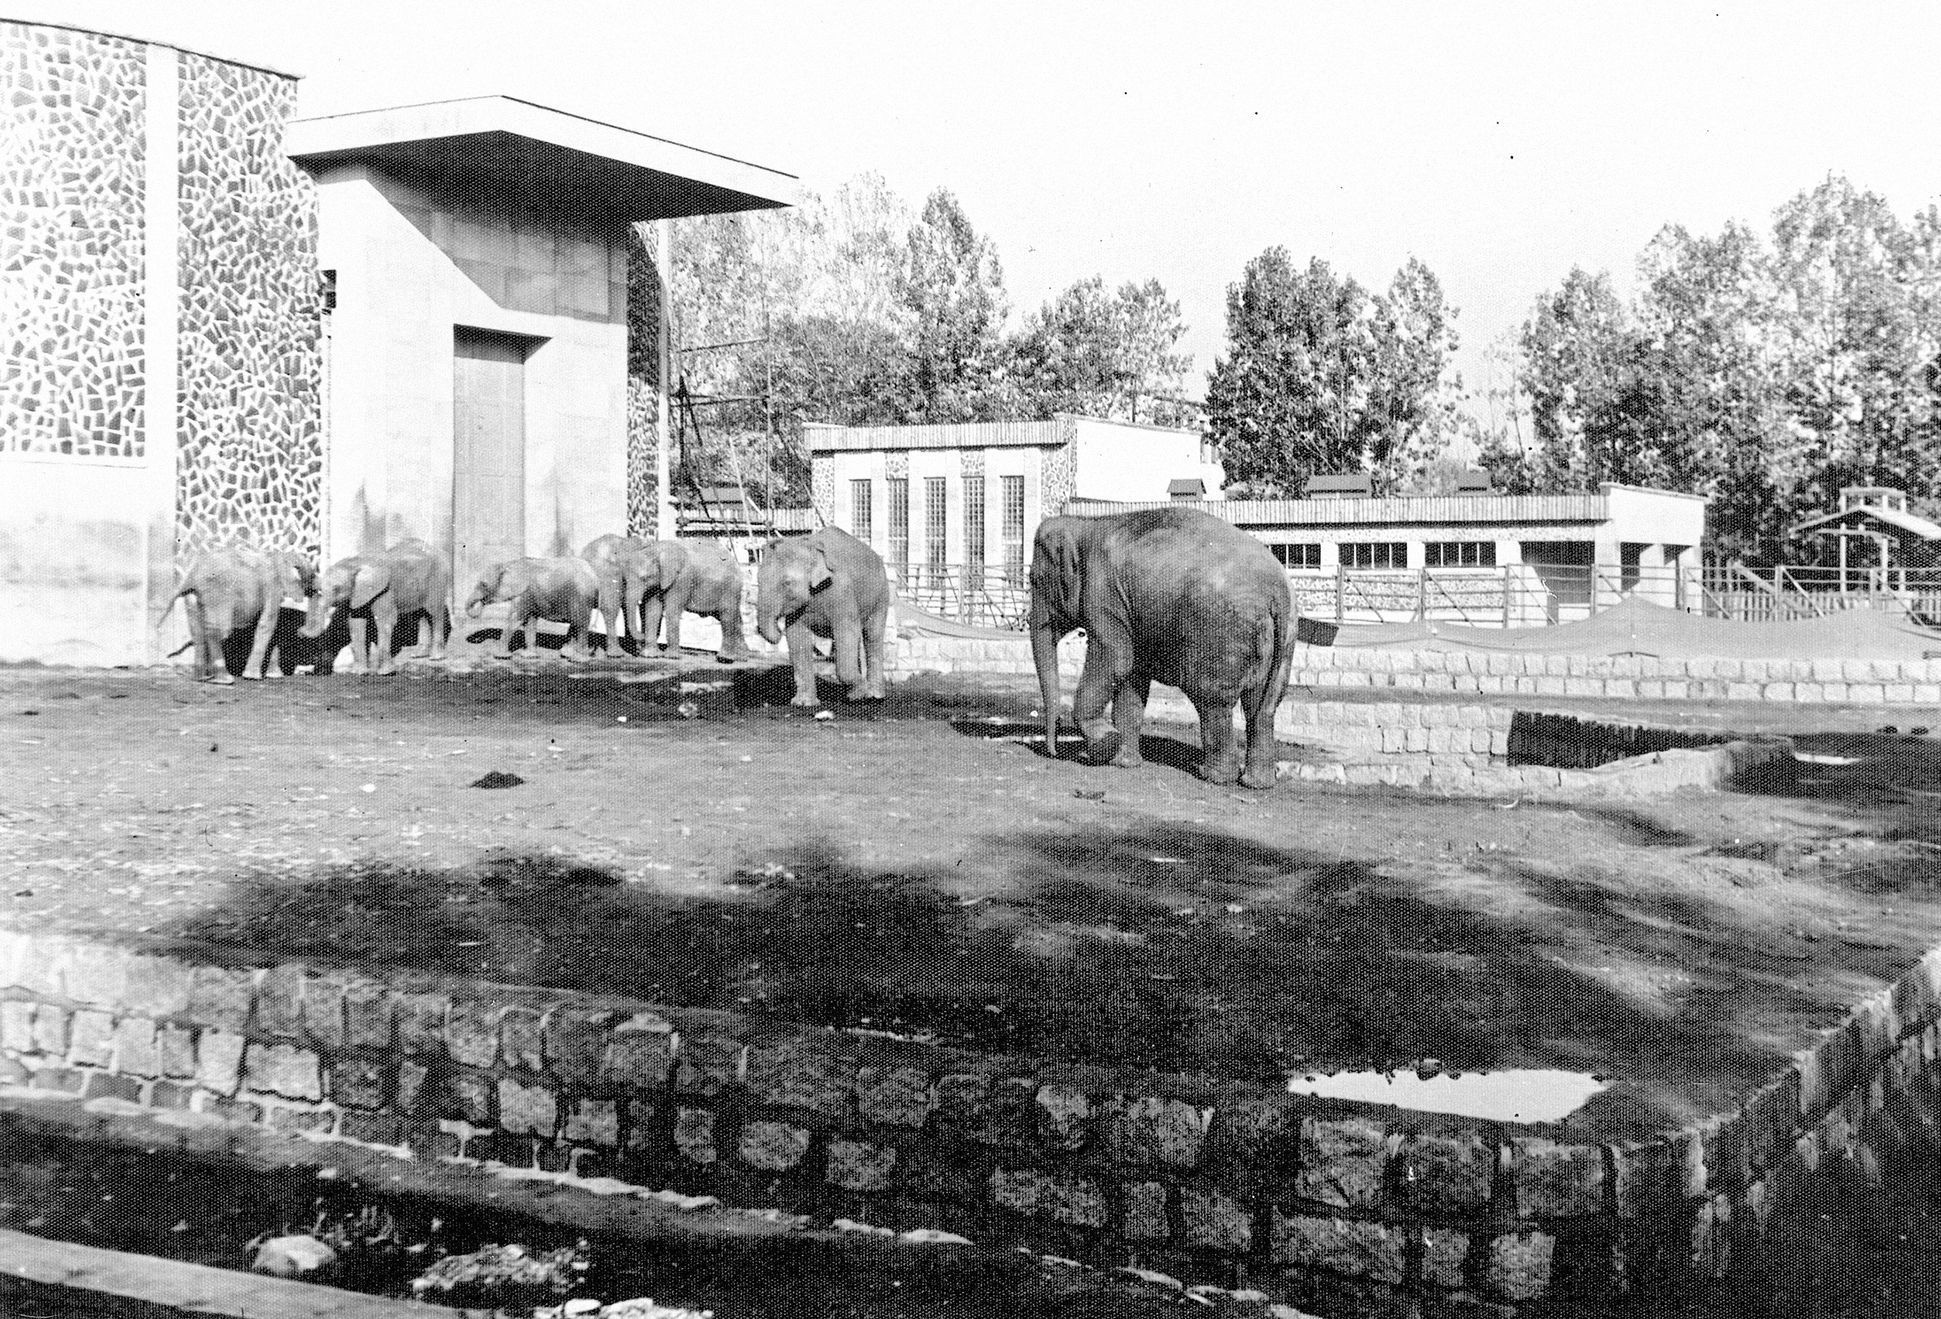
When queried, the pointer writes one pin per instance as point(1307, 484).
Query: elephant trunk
point(316, 617)
point(1045, 636)
point(769, 612)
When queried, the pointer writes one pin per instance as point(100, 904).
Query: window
point(1297, 555)
point(899, 527)
point(1375, 554)
point(934, 524)
point(859, 510)
point(1459, 554)
point(974, 521)
point(1012, 489)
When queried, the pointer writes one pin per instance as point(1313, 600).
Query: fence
point(1514, 595)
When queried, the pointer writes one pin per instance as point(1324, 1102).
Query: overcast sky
point(1501, 143)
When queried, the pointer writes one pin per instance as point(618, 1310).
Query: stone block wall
point(1335, 1206)
point(1501, 673)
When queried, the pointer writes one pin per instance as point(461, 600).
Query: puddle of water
point(1514, 1094)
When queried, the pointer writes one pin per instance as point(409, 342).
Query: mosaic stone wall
point(1057, 477)
point(251, 444)
point(822, 484)
point(643, 404)
point(72, 366)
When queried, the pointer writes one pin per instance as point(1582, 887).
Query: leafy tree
point(1289, 398)
point(952, 289)
point(1101, 355)
point(1320, 377)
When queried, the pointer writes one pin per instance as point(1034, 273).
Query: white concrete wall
point(1121, 460)
point(1653, 516)
point(409, 269)
point(75, 569)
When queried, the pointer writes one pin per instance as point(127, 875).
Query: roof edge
point(177, 47)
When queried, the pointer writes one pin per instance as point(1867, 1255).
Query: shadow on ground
point(1174, 948)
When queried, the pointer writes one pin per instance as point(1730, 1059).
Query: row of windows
point(936, 518)
point(1391, 554)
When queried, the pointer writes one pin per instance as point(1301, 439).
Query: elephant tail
point(1275, 640)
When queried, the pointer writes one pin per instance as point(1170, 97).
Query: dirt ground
point(920, 866)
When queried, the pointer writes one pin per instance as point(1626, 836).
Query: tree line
point(1765, 370)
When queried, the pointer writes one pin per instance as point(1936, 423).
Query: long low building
point(1481, 556)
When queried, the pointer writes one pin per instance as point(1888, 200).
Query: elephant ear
point(372, 580)
point(820, 574)
point(672, 559)
point(1056, 568)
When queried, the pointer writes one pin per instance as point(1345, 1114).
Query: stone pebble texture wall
point(72, 356)
point(1346, 1209)
point(250, 462)
point(73, 253)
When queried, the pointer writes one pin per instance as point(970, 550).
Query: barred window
point(1375, 554)
point(1459, 554)
point(859, 510)
point(974, 521)
point(1304, 555)
point(934, 524)
point(1012, 490)
point(900, 527)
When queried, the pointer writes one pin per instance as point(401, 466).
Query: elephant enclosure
point(918, 867)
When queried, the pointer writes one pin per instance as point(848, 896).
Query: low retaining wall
point(1500, 673)
point(1336, 1206)
point(1445, 746)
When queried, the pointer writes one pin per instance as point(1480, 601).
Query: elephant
point(826, 584)
point(645, 581)
point(558, 590)
point(1171, 595)
point(609, 557)
point(237, 589)
point(408, 579)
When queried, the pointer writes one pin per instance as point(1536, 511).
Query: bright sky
point(1501, 143)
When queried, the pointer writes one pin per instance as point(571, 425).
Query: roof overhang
point(502, 147)
point(1848, 521)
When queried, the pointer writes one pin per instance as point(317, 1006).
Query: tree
point(952, 289)
point(1321, 377)
point(1414, 398)
point(1288, 399)
point(1099, 355)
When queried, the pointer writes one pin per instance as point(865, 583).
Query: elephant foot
point(220, 680)
point(1220, 772)
point(1255, 779)
point(804, 700)
point(731, 656)
point(864, 692)
point(252, 677)
point(1128, 757)
point(1104, 750)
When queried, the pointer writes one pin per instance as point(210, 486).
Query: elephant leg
point(1098, 686)
point(201, 644)
point(1220, 757)
point(360, 645)
point(734, 642)
point(801, 643)
point(651, 608)
point(846, 647)
point(259, 651)
point(873, 629)
point(1129, 718)
point(676, 604)
point(579, 623)
point(387, 626)
point(1262, 749)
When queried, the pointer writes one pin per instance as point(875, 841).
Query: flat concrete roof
point(504, 147)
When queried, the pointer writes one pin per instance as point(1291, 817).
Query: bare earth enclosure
point(676, 832)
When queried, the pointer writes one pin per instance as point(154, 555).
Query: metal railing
point(997, 595)
point(991, 595)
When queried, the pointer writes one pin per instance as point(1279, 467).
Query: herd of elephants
point(1172, 595)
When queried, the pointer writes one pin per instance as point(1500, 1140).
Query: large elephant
point(826, 584)
point(643, 582)
point(238, 589)
point(557, 590)
point(406, 580)
point(1171, 595)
